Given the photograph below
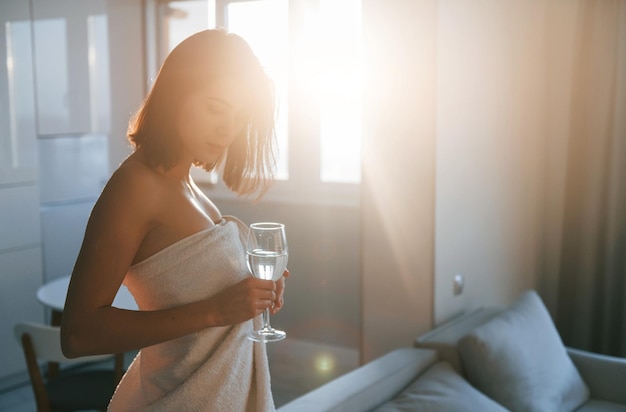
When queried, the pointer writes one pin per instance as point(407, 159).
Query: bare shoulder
point(132, 193)
point(134, 175)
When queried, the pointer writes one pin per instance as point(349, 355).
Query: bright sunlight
point(315, 51)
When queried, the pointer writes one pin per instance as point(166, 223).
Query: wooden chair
point(74, 388)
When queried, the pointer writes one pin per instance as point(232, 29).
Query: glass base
point(267, 335)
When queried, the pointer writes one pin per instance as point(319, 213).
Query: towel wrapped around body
point(215, 369)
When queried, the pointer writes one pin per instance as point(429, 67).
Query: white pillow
point(519, 360)
point(440, 388)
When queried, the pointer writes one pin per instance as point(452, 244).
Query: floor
point(299, 366)
point(296, 367)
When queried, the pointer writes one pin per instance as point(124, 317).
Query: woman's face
point(210, 118)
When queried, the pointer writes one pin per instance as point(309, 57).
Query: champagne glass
point(267, 259)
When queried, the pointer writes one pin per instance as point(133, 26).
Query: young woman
point(184, 262)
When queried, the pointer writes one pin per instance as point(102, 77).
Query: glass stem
point(266, 319)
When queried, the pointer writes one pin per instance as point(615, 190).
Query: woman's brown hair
point(248, 164)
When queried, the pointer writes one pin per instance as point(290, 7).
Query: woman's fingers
point(250, 297)
point(244, 300)
point(280, 291)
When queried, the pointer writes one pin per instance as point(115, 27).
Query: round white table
point(53, 293)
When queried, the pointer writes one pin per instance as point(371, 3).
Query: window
point(265, 26)
point(312, 51)
point(339, 85)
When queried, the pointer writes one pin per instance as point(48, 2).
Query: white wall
point(397, 204)
point(490, 148)
point(503, 83)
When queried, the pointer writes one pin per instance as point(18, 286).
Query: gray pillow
point(519, 360)
point(440, 388)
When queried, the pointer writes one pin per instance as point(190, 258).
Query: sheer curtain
point(591, 287)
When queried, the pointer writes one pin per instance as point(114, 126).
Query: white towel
point(216, 369)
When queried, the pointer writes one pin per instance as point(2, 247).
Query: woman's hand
point(280, 290)
point(246, 300)
point(242, 301)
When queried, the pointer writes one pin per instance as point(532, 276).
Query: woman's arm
point(124, 214)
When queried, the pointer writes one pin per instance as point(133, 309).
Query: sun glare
point(270, 42)
point(333, 37)
point(324, 364)
point(317, 55)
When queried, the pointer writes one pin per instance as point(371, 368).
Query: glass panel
point(264, 25)
point(53, 92)
point(18, 150)
point(340, 90)
point(98, 61)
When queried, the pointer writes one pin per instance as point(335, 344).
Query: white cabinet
point(54, 124)
point(19, 217)
point(20, 269)
point(72, 174)
point(72, 168)
point(63, 229)
point(71, 66)
point(20, 230)
point(18, 150)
